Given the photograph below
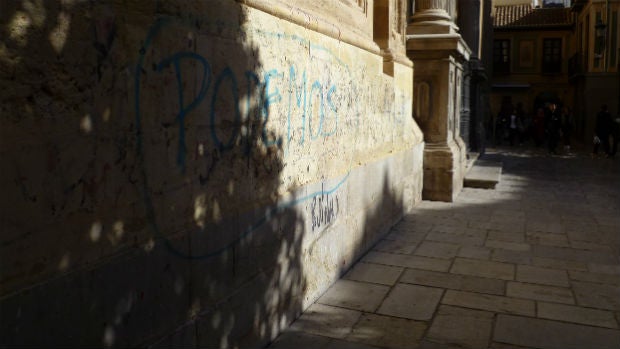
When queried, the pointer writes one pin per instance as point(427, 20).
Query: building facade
point(553, 52)
point(531, 47)
point(198, 173)
point(195, 173)
point(594, 63)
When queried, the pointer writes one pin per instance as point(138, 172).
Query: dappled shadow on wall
point(142, 181)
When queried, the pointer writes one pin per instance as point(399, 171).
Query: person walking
point(538, 127)
point(522, 123)
point(513, 131)
point(615, 135)
point(567, 127)
point(602, 131)
point(554, 127)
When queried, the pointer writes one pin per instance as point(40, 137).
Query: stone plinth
point(442, 172)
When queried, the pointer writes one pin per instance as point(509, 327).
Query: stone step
point(483, 174)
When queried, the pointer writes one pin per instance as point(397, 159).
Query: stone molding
point(432, 46)
point(307, 20)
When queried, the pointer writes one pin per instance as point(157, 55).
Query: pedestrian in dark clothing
point(553, 127)
point(501, 127)
point(615, 133)
point(521, 123)
point(539, 127)
point(602, 130)
point(513, 129)
point(567, 127)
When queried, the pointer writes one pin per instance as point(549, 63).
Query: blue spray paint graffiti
point(320, 97)
point(184, 110)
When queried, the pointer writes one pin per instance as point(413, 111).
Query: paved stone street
point(534, 263)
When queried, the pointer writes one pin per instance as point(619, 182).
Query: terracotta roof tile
point(524, 15)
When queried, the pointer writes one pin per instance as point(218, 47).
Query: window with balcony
point(501, 56)
point(552, 56)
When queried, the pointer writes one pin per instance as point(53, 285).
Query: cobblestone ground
point(534, 263)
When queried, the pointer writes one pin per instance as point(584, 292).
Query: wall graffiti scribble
point(324, 210)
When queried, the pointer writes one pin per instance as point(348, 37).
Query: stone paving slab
point(475, 252)
point(612, 269)
point(411, 301)
point(459, 229)
point(540, 292)
point(513, 246)
point(456, 239)
point(354, 295)
point(374, 273)
point(400, 260)
point(386, 331)
point(511, 256)
point(302, 340)
point(437, 250)
point(498, 304)
point(579, 315)
point(396, 246)
point(454, 281)
point(325, 320)
point(500, 235)
point(414, 238)
point(558, 264)
point(496, 345)
point(594, 277)
point(508, 226)
point(547, 334)
point(543, 276)
point(574, 254)
point(428, 344)
point(464, 327)
point(481, 268)
point(545, 238)
point(590, 246)
point(599, 296)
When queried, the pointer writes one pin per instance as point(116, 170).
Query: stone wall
point(191, 173)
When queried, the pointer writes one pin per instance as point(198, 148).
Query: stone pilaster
point(389, 32)
point(438, 53)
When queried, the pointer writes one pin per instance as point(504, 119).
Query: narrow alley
point(534, 263)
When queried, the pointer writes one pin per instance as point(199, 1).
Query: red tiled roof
point(524, 15)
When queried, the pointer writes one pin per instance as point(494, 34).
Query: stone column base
point(442, 171)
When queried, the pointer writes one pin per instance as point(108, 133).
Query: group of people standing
point(549, 124)
point(554, 126)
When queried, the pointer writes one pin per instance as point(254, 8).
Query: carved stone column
point(433, 17)
point(438, 53)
